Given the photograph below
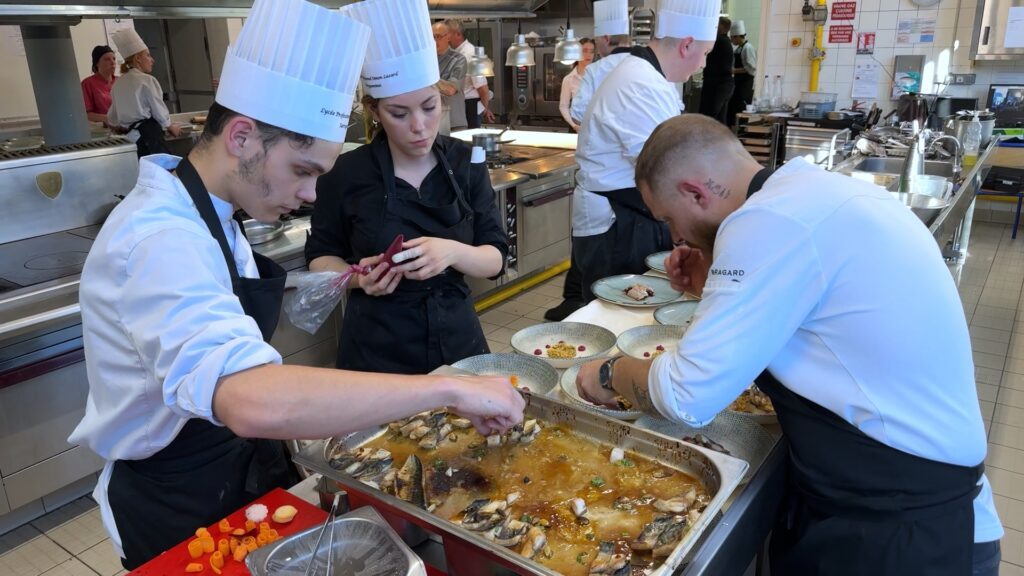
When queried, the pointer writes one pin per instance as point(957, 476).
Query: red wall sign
point(844, 10)
point(840, 34)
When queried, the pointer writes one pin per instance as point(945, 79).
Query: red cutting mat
point(173, 561)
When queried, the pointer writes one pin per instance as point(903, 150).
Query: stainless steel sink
point(895, 165)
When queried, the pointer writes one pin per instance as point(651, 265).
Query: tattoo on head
point(717, 189)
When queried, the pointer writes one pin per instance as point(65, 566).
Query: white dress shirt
point(748, 57)
point(137, 96)
point(570, 84)
point(842, 293)
point(594, 75)
point(160, 322)
point(625, 110)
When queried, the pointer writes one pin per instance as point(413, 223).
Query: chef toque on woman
point(413, 182)
point(137, 100)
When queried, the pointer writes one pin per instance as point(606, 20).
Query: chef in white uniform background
point(862, 347)
point(137, 100)
point(177, 310)
point(633, 99)
point(591, 214)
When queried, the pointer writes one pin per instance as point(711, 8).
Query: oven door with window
point(548, 81)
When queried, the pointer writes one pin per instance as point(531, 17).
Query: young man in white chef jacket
point(614, 237)
point(177, 310)
point(835, 299)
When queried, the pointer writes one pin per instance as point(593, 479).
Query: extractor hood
point(41, 9)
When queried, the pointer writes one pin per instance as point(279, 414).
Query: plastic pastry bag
point(316, 296)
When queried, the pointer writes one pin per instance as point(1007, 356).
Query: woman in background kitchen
point(572, 80)
point(137, 101)
point(417, 315)
point(96, 88)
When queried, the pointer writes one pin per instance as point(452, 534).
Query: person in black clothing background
point(718, 81)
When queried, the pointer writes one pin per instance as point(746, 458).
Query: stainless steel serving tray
point(719, 473)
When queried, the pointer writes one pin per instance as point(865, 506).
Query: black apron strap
point(629, 199)
point(758, 181)
point(151, 137)
point(207, 471)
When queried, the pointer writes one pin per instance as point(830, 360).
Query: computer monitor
point(1006, 101)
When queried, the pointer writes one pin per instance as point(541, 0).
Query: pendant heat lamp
point(520, 53)
point(480, 64)
point(568, 49)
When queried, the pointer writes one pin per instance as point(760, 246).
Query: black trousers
point(472, 118)
point(714, 99)
point(621, 250)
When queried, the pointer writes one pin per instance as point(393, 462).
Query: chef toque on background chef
point(615, 236)
point(177, 310)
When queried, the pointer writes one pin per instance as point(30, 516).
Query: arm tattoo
point(643, 398)
point(717, 189)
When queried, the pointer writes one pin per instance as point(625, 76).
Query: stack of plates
point(656, 261)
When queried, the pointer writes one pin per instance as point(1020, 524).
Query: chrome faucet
point(958, 155)
point(913, 166)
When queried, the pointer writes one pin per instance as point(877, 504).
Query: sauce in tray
point(548, 473)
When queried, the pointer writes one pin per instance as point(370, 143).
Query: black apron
point(206, 472)
point(422, 324)
point(855, 506)
point(151, 138)
point(743, 93)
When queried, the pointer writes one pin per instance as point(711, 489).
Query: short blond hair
point(688, 143)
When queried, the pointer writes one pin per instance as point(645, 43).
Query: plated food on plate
point(566, 501)
point(649, 342)
point(635, 290)
point(563, 344)
point(526, 373)
point(753, 401)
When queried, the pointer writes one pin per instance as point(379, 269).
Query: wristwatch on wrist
point(604, 375)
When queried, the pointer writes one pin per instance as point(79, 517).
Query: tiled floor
point(71, 540)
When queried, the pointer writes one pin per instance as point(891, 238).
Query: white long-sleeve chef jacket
point(160, 322)
point(626, 107)
point(812, 278)
point(593, 77)
point(625, 110)
point(137, 96)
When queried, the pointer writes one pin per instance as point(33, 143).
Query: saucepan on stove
point(491, 143)
point(262, 232)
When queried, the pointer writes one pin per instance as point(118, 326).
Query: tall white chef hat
point(295, 66)
point(402, 56)
point(687, 18)
point(611, 17)
point(128, 42)
point(738, 29)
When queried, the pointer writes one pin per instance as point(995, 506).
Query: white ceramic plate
point(613, 289)
point(656, 261)
point(636, 342)
point(533, 374)
point(568, 386)
point(676, 313)
point(595, 340)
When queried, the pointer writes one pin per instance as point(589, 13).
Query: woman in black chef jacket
point(417, 315)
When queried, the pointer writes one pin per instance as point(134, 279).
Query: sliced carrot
point(193, 567)
point(208, 545)
point(238, 532)
point(217, 560)
point(215, 570)
point(224, 526)
point(240, 553)
point(195, 548)
point(250, 525)
point(264, 526)
point(233, 544)
point(250, 543)
point(262, 540)
point(223, 547)
point(200, 532)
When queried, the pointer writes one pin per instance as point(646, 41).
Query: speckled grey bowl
point(568, 387)
point(598, 341)
point(534, 375)
point(677, 313)
point(635, 341)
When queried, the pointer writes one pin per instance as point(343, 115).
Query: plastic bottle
point(972, 142)
point(765, 102)
point(777, 96)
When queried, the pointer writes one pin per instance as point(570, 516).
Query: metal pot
point(956, 125)
point(912, 107)
point(491, 143)
point(261, 232)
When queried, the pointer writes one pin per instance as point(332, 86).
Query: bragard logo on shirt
point(736, 273)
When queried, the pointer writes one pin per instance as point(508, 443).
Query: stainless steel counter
point(502, 179)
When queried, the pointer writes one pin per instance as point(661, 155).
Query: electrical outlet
point(963, 79)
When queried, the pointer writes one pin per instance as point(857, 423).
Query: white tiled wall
point(950, 53)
